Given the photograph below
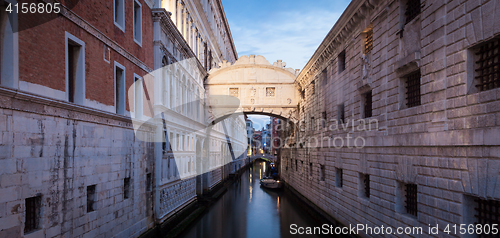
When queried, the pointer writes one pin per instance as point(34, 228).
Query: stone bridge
point(261, 88)
point(269, 157)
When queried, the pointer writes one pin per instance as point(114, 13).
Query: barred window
point(488, 65)
point(365, 185)
point(412, 10)
point(411, 199)
point(369, 41)
point(32, 218)
point(413, 89)
point(91, 198)
point(487, 212)
point(338, 177)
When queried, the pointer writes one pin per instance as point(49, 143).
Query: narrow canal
point(248, 211)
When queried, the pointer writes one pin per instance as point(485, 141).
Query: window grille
point(91, 198)
point(411, 199)
point(488, 65)
point(369, 41)
point(32, 218)
point(366, 182)
point(487, 212)
point(368, 104)
point(413, 89)
point(412, 10)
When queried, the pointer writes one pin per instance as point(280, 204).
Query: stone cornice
point(350, 18)
point(160, 14)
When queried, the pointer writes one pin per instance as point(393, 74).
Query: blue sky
point(286, 30)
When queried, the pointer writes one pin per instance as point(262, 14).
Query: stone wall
point(448, 146)
point(55, 150)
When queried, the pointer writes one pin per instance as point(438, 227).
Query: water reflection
point(248, 211)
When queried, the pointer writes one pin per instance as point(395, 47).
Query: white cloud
point(291, 36)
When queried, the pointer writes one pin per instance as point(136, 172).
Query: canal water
point(248, 211)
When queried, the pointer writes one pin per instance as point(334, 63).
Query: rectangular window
point(323, 121)
point(126, 188)
point(364, 188)
point(270, 92)
point(324, 78)
point(33, 214)
point(341, 60)
point(413, 89)
point(367, 104)
point(412, 10)
point(91, 198)
point(338, 177)
point(296, 166)
point(312, 123)
point(487, 66)
point(340, 114)
point(369, 41)
point(310, 169)
point(137, 22)
point(303, 94)
point(149, 182)
point(411, 199)
point(119, 14)
point(313, 87)
point(234, 92)
point(119, 88)
point(75, 69)
point(322, 172)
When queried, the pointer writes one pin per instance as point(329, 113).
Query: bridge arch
point(260, 87)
